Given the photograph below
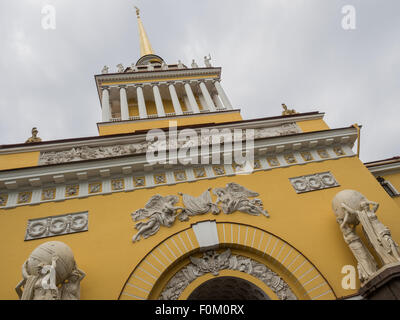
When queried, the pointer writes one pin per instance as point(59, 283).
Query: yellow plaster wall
point(19, 160)
point(108, 256)
point(117, 128)
point(312, 125)
point(394, 179)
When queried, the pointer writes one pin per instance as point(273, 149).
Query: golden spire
point(145, 46)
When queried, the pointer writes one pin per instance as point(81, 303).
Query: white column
point(141, 103)
point(105, 105)
point(217, 102)
point(124, 104)
point(203, 103)
point(207, 97)
point(192, 100)
point(175, 100)
point(158, 100)
point(223, 95)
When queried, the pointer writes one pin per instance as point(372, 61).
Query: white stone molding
point(57, 225)
point(313, 182)
point(206, 234)
point(213, 262)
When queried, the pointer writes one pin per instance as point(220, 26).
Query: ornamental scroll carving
point(213, 262)
point(161, 211)
point(56, 226)
point(50, 273)
point(90, 153)
point(351, 208)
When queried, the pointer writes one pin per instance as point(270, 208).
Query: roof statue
point(286, 111)
point(34, 137)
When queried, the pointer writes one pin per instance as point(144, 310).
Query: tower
point(151, 92)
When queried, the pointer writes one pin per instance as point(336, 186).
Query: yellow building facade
point(161, 218)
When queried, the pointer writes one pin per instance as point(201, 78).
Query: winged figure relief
point(160, 211)
point(234, 197)
point(197, 205)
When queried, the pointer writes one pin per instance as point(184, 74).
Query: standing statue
point(180, 64)
point(207, 61)
point(164, 66)
point(352, 208)
point(120, 68)
point(194, 64)
point(105, 70)
point(235, 198)
point(34, 137)
point(160, 211)
point(50, 273)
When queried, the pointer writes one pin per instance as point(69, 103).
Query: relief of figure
point(34, 137)
point(352, 208)
point(105, 70)
point(235, 198)
point(160, 211)
point(120, 68)
point(48, 274)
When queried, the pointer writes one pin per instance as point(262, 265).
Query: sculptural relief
point(50, 273)
point(34, 137)
point(352, 208)
point(161, 211)
point(317, 181)
point(101, 152)
point(56, 225)
point(213, 262)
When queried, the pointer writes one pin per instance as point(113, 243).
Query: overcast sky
point(271, 52)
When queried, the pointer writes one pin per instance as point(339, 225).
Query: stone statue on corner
point(50, 273)
point(352, 208)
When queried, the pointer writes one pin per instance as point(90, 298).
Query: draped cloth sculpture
point(352, 208)
point(50, 273)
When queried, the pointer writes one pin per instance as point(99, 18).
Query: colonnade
point(216, 101)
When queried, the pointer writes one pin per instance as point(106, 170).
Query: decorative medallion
point(339, 151)
point(180, 175)
point(199, 172)
point(56, 226)
point(139, 182)
point(3, 200)
point(95, 187)
point(219, 170)
point(72, 191)
point(273, 161)
point(24, 197)
point(117, 184)
point(323, 153)
point(306, 155)
point(160, 178)
point(290, 158)
point(48, 194)
point(313, 182)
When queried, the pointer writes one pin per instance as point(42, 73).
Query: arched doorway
point(228, 288)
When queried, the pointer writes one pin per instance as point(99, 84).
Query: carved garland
point(213, 262)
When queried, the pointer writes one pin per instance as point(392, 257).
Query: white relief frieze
point(91, 153)
point(56, 226)
point(162, 211)
point(314, 182)
point(214, 262)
